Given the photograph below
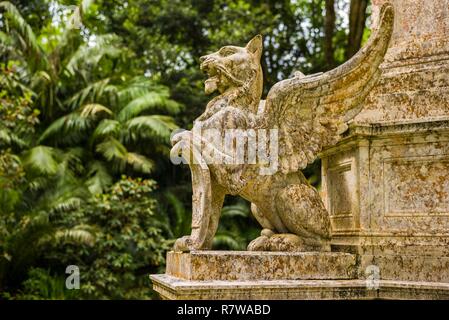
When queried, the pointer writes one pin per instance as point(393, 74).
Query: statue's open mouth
point(213, 73)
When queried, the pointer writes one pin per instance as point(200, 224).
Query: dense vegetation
point(90, 92)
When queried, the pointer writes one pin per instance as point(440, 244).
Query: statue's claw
point(185, 243)
point(180, 136)
point(258, 244)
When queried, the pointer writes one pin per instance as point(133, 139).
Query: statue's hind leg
point(302, 211)
point(305, 222)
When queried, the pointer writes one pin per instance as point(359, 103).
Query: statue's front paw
point(185, 243)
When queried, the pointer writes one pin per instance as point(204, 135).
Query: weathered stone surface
point(389, 179)
point(247, 265)
point(414, 82)
point(394, 180)
point(170, 287)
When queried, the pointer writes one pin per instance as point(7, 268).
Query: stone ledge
point(170, 287)
point(247, 265)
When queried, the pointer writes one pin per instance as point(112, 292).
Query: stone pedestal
point(249, 265)
point(278, 275)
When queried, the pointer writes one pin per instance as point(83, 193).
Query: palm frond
point(39, 77)
point(112, 149)
point(68, 129)
point(137, 87)
point(8, 138)
point(41, 160)
point(92, 109)
point(106, 127)
point(67, 204)
point(139, 162)
point(99, 178)
point(148, 102)
point(39, 183)
point(181, 220)
point(26, 36)
point(90, 55)
point(90, 93)
point(150, 127)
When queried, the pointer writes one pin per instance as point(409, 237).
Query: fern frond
point(82, 234)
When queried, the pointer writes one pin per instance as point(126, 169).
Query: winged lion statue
point(303, 114)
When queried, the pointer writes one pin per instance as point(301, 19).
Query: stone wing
point(311, 112)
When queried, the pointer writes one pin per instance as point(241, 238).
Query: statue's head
point(232, 67)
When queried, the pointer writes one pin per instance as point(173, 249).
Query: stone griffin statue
point(308, 114)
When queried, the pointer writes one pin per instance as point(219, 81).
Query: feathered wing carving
point(311, 111)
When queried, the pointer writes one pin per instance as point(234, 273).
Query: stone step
point(172, 288)
point(248, 265)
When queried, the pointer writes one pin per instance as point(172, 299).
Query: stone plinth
point(301, 275)
point(386, 187)
point(248, 265)
point(173, 288)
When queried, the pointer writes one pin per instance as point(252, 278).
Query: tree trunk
point(357, 19)
point(329, 27)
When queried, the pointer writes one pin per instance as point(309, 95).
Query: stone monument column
point(386, 185)
point(415, 81)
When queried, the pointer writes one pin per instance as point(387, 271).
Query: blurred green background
point(89, 94)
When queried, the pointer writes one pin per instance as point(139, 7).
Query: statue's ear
point(255, 45)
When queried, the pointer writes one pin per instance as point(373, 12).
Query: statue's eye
point(226, 52)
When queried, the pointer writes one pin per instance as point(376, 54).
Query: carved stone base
point(173, 288)
point(256, 265)
point(299, 275)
